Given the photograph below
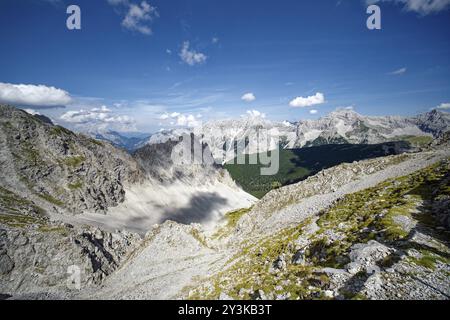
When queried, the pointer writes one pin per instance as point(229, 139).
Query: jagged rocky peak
point(347, 126)
point(343, 125)
point(435, 122)
point(183, 158)
point(58, 170)
point(345, 113)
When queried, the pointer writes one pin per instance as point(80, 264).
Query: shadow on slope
point(201, 208)
point(298, 164)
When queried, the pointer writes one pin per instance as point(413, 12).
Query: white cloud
point(255, 114)
point(187, 121)
point(99, 118)
point(301, 102)
point(313, 111)
point(168, 51)
point(190, 56)
point(182, 120)
point(138, 16)
point(32, 112)
point(33, 95)
point(422, 7)
point(398, 72)
point(215, 40)
point(444, 106)
point(248, 97)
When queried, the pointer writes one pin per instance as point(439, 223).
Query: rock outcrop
point(60, 171)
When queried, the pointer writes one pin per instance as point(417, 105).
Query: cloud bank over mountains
point(33, 95)
point(100, 118)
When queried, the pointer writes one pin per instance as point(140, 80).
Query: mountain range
point(339, 127)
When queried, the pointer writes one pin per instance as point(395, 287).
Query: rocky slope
point(382, 237)
point(56, 186)
point(378, 230)
point(58, 170)
point(36, 253)
point(192, 189)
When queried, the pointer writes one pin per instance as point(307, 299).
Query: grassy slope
point(359, 217)
point(298, 164)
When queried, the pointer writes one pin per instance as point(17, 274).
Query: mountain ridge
point(338, 127)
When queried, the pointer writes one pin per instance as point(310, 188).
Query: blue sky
point(146, 65)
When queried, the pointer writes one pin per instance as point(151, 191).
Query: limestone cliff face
point(174, 160)
point(58, 170)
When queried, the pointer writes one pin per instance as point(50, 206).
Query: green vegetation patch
point(249, 270)
point(57, 229)
point(429, 259)
point(74, 161)
point(75, 186)
point(51, 199)
point(96, 142)
point(18, 220)
point(29, 153)
point(60, 131)
point(197, 236)
point(297, 164)
point(417, 141)
point(13, 203)
point(232, 219)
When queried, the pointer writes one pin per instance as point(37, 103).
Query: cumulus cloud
point(398, 72)
point(182, 120)
point(248, 97)
point(138, 16)
point(444, 106)
point(301, 102)
point(32, 112)
point(313, 111)
point(423, 7)
point(187, 121)
point(33, 95)
point(190, 56)
point(255, 114)
point(101, 117)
